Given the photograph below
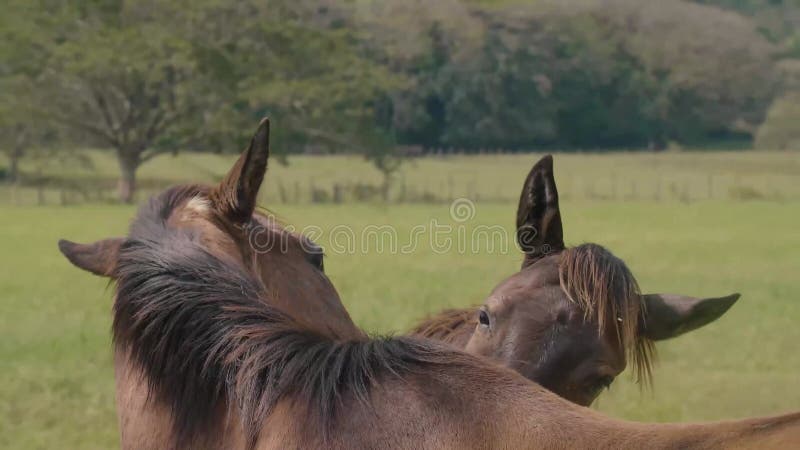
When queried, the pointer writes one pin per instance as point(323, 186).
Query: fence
point(684, 189)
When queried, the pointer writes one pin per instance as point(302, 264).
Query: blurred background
point(675, 124)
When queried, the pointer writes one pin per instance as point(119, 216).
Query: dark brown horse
point(571, 318)
point(208, 356)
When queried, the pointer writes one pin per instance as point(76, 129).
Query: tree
point(718, 72)
point(144, 78)
point(780, 130)
point(22, 55)
point(20, 134)
point(147, 77)
point(304, 63)
point(420, 40)
point(122, 80)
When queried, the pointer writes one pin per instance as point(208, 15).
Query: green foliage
point(149, 77)
point(776, 19)
point(781, 129)
point(295, 61)
point(25, 50)
point(584, 74)
point(127, 86)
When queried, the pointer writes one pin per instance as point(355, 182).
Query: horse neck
point(453, 408)
point(312, 302)
point(579, 427)
point(764, 432)
point(539, 419)
point(327, 316)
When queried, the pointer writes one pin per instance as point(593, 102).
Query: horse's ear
point(236, 195)
point(99, 257)
point(668, 315)
point(539, 229)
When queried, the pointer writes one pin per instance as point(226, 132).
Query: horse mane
point(448, 325)
point(199, 329)
point(605, 289)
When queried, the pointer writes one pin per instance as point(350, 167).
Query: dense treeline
point(148, 77)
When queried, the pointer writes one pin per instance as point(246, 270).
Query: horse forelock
point(606, 290)
point(446, 325)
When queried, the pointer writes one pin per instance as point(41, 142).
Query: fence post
point(337, 193)
point(658, 189)
point(450, 188)
point(710, 186)
point(613, 185)
point(14, 193)
point(282, 192)
point(685, 192)
point(402, 197)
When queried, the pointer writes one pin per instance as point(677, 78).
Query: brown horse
point(229, 225)
point(208, 356)
point(571, 318)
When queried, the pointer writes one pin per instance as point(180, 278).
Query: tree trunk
point(657, 142)
point(16, 154)
point(13, 168)
point(127, 179)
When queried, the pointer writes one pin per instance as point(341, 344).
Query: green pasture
point(495, 178)
point(56, 378)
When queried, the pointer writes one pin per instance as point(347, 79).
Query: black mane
point(198, 327)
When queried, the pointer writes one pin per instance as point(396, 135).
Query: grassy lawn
point(56, 380)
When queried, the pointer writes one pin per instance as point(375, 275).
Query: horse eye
point(316, 260)
point(596, 384)
point(483, 318)
point(604, 382)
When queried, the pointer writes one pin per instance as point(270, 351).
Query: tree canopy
point(143, 78)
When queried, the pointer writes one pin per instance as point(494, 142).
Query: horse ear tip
point(263, 125)
point(65, 246)
point(733, 298)
point(545, 163)
point(723, 304)
point(261, 136)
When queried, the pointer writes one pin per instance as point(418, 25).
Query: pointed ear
point(236, 195)
point(668, 315)
point(539, 229)
point(99, 258)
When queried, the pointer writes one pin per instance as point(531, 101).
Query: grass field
point(670, 176)
point(56, 380)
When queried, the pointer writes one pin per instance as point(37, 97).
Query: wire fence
point(684, 189)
